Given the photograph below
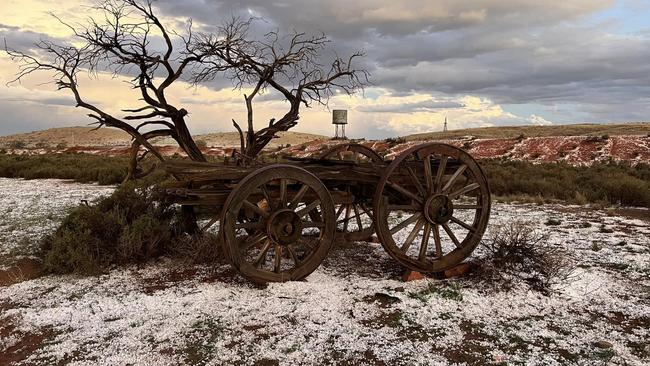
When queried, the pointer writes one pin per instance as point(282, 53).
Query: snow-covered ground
point(353, 310)
point(32, 208)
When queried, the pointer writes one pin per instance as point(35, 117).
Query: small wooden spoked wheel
point(354, 221)
point(278, 224)
point(432, 205)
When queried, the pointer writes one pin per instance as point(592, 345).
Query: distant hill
point(70, 136)
point(508, 132)
point(111, 137)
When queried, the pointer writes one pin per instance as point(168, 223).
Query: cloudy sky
point(480, 63)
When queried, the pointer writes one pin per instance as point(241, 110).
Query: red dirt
point(575, 150)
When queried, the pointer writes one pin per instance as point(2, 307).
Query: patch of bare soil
point(24, 269)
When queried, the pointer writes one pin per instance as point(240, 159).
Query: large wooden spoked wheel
point(278, 224)
point(354, 221)
point(432, 205)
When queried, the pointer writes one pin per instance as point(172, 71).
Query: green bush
point(17, 144)
point(79, 167)
point(614, 183)
point(132, 225)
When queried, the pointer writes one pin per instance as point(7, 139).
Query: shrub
point(615, 183)
point(201, 144)
point(61, 146)
point(395, 140)
point(132, 225)
point(79, 167)
point(17, 144)
point(518, 251)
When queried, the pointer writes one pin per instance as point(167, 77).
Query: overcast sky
point(480, 63)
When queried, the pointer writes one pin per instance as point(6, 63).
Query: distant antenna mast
point(444, 128)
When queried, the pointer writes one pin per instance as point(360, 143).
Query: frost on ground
point(353, 310)
point(32, 208)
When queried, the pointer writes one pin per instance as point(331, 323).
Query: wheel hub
point(284, 227)
point(438, 209)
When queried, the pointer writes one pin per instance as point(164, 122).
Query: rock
point(603, 344)
point(458, 271)
point(412, 276)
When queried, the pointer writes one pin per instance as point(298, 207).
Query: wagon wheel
point(282, 242)
point(354, 220)
point(432, 206)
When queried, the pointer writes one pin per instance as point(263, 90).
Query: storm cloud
point(483, 62)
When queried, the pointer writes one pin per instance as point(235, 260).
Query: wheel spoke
point(347, 218)
point(209, 224)
point(451, 235)
point(425, 242)
point(249, 225)
point(453, 178)
point(296, 199)
point(406, 223)
point(261, 258)
point(366, 210)
point(252, 240)
point(403, 208)
point(339, 211)
point(293, 255)
point(358, 216)
point(412, 235)
point(309, 245)
point(441, 171)
point(427, 174)
point(267, 197)
point(283, 193)
point(416, 181)
point(436, 239)
point(404, 191)
point(277, 258)
point(463, 224)
point(463, 190)
point(308, 208)
point(255, 208)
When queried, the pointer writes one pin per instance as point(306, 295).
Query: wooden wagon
point(429, 207)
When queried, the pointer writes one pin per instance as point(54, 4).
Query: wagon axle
point(284, 227)
point(438, 209)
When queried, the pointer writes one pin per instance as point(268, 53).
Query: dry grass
point(517, 251)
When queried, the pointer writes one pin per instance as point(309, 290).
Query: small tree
point(121, 42)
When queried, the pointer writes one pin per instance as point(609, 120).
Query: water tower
point(339, 120)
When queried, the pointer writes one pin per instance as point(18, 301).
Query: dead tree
point(122, 42)
point(291, 65)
